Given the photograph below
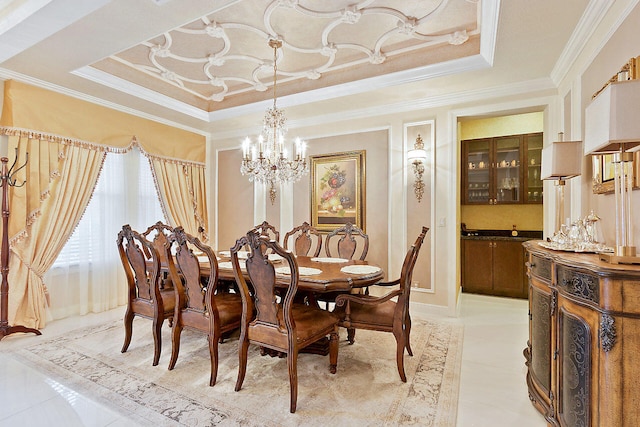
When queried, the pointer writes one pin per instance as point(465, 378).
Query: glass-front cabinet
point(494, 170)
point(534, 156)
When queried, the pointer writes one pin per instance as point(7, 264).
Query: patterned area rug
point(366, 390)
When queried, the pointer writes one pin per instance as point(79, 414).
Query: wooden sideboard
point(583, 353)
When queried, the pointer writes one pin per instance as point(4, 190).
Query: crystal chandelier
point(268, 161)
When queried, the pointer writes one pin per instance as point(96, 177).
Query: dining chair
point(280, 324)
point(158, 234)
point(352, 241)
point(268, 230)
point(305, 238)
point(141, 263)
point(351, 238)
point(382, 313)
point(198, 304)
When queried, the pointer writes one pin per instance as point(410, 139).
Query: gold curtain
point(62, 172)
point(60, 177)
point(182, 190)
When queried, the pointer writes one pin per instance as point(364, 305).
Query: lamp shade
point(561, 160)
point(612, 118)
point(417, 154)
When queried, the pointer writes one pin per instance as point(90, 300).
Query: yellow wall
point(501, 126)
point(502, 217)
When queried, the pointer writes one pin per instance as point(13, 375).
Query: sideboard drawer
point(541, 267)
point(577, 283)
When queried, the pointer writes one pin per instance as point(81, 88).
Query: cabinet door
point(533, 184)
point(575, 364)
point(507, 169)
point(540, 337)
point(478, 265)
point(477, 172)
point(508, 269)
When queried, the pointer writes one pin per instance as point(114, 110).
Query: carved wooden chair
point(280, 324)
point(141, 262)
point(306, 239)
point(351, 238)
point(268, 230)
point(198, 305)
point(382, 313)
point(351, 241)
point(158, 234)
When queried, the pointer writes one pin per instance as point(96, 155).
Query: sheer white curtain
point(87, 275)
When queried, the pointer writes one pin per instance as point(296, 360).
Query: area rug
point(365, 391)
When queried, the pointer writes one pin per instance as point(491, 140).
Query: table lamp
point(561, 161)
point(612, 126)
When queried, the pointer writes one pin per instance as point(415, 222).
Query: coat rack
point(7, 178)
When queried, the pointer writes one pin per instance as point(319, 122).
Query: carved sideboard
point(583, 353)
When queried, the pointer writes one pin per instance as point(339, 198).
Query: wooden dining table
point(331, 278)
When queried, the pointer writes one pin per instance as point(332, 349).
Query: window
point(125, 194)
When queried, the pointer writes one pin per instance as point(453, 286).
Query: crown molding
point(121, 85)
point(594, 13)
point(438, 101)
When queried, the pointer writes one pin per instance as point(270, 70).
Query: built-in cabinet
point(494, 267)
point(502, 170)
point(584, 339)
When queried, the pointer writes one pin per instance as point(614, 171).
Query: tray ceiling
point(223, 59)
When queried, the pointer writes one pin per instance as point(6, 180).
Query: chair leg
point(333, 351)
point(400, 346)
point(213, 354)
point(243, 349)
point(157, 338)
point(128, 328)
point(407, 334)
point(175, 344)
point(292, 363)
point(351, 335)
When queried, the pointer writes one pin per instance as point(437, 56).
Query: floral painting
point(337, 193)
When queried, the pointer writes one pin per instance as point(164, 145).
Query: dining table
point(316, 275)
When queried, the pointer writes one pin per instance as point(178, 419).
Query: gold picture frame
point(338, 190)
point(603, 172)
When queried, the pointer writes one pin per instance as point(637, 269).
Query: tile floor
point(493, 391)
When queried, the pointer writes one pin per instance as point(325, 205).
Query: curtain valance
point(31, 108)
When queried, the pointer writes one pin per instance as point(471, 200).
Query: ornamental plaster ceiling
point(223, 59)
point(206, 65)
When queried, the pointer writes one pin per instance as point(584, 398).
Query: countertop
point(523, 235)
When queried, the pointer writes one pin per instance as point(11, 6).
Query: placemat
point(303, 271)
point(334, 260)
point(360, 269)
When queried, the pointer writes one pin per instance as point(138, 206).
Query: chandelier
point(268, 161)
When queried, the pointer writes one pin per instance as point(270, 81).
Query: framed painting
point(338, 190)
point(604, 173)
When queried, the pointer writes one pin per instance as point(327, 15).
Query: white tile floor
point(493, 391)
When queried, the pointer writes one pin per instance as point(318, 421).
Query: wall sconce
point(612, 126)
point(561, 161)
point(418, 158)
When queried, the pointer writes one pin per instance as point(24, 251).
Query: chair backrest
point(306, 239)
point(141, 263)
point(406, 274)
point(268, 230)
point(347, 244)
point(158, 234)
point(263, 296)
point(193, 292)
